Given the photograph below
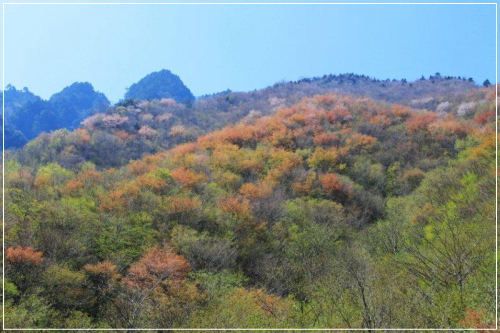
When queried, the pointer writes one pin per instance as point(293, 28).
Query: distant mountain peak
point(158, 85)
point(65, 109)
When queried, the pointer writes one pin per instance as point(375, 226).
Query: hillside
point(76, 102)
point(16, 98)
point(285, 207)
point(136, 128)
point(65, 109)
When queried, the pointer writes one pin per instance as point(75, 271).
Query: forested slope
point(325, 211)
point(28, 115)
point(135, 128)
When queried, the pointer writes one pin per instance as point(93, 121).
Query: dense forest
point(134, 128)
point(28, 115)
point(73, 104)
point(332, 202)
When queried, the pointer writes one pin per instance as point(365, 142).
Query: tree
point(23, 266)
point(155, 285)
point(103, 278)
point(454, 241)
point(187, 178)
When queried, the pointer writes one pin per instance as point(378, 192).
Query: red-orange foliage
point(475, 319)
point(238, 135)
point(184, 149)
point(116, 200)
point(21, 256)
point(401, 111)
point(92, 176)
point(102, 272)
point(302, 132)
point(187, 178)
point(485, 117)
point(81, 137)
point(419, 121)
point(238, 206)
point(281, 136)
point(381, 119)
point(104, 276)
point(182, 204)
point(330, 183)
point(73, 185)
point(338, 114)
point(360, 140)
point(345, 131)
point(151, 181)
point(298, 118)
point(326, 100)
point(139, 167)
point(305, 186)
point(447, 127)
point(326, 139)
point(491, 95)
point(252, 191)
point(286, 112)
point(156, 265)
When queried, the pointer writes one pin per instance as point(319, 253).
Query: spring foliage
point(334, 211)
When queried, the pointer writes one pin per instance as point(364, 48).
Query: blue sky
point(241, 47)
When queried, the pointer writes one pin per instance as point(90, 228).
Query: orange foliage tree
point(475, 319)
point(155, 289)
point(19, 256)
point(252, 191)
point(326, 139)
point(333, 186)
point(420, 121)
point(187, 178)
point(22, 265)
point(239, 207)
point(177, 204)
point(361, 140)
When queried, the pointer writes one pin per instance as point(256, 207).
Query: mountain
point(65, 109)
point(76, 102)
point(326, 211)
point(158, 85)
point(216, 110)
point(134, 128)
point(16, 98)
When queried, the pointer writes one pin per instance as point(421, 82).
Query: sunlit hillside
point(332, 202)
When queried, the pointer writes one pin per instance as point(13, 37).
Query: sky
point(241, 47)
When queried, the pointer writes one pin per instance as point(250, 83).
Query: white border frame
point(251, 329)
